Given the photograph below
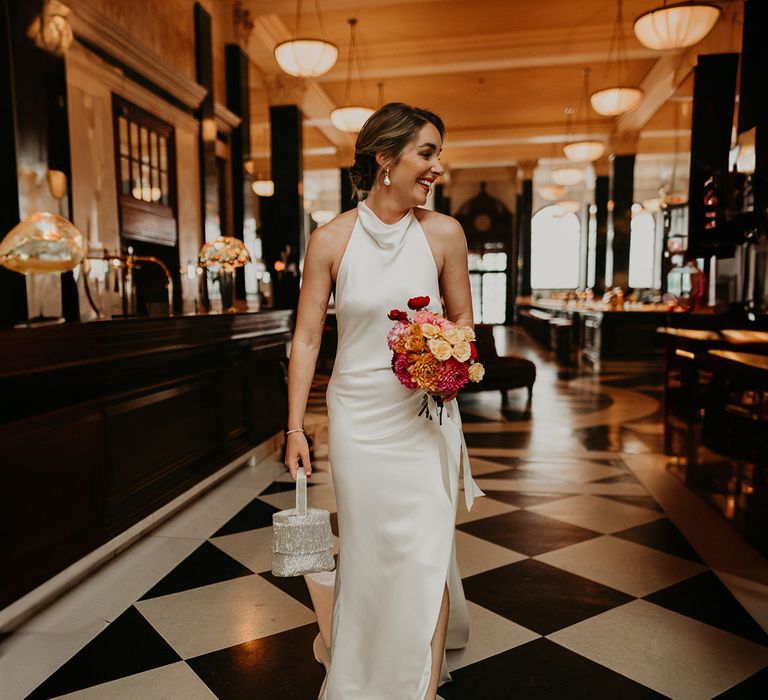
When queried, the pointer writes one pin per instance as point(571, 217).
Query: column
point(238, 101)
point(209, 184)
point(714, 93)
point(602, 195)
point(524, 214)
point(283, 215)
point(622, 186)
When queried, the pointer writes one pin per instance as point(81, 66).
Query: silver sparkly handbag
point(302, 541)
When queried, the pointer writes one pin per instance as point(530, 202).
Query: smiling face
point(416, 169)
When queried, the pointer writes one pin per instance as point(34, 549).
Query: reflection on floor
point(590, 573)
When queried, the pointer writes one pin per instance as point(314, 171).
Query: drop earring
point(387, 181)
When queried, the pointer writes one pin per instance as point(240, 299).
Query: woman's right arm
point(313, 303)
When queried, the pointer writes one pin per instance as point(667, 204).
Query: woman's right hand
point(297, 454)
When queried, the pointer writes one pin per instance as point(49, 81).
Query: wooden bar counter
point(103, 423)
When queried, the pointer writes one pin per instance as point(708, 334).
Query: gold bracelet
point(295, 430)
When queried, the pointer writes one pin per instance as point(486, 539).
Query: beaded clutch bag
point(302, 541)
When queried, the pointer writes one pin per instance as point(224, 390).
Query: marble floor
point(590, 572)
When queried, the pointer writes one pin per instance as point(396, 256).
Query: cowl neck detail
point(386, 236)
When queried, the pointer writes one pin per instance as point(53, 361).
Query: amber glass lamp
point(42, 243)
point(221, 257)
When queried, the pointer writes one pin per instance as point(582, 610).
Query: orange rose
point(426, 372)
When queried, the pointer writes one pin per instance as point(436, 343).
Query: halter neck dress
point(396, 477)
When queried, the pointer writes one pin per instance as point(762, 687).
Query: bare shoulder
point(329, 238)
point(444, 233)
point(440, 225)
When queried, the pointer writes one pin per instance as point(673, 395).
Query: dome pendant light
point(676, 26)
point(587, 149)
point(350, 118)
point(304, 57)
point(617, 99)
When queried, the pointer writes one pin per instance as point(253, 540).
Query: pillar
point(602, 195)
point(238, 101)
point(622, 185)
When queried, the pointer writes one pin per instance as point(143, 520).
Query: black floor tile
point(541, 670)
point(517, 415)
point(129, 645)
point(206, 565)
point(253, 516)
point(540, 597)
point(754, 687)
point(640, 501)
point(618, 479)
point(527, 532)
point(663, 535)
point(514, 440)
point(523, 500)
point(294, 586)
point(281, 486)
point(278, 666)
point(612, 438)
point(468, 417)
point(706, 598)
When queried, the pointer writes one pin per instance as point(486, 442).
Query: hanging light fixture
point(676, 26)
point(588, 149)
point(618, 99)
point(303, 57)
point(350, 118)
point(262, 185)
point(567, 176)
point(552, 192)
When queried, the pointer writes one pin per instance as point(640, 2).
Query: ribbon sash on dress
point(454, 448)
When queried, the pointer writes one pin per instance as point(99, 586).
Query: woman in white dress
point(395, 473)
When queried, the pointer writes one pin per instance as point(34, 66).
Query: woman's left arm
point(454, 279)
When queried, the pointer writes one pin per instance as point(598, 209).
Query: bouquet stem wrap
point(454, 449)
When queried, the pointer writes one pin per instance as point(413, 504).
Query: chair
point(502, 373)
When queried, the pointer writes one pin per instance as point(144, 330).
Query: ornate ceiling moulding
point(93, 28)
point(283, 89)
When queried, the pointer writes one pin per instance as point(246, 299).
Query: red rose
point(417, 303)
point(397, 315)
point(472, 351)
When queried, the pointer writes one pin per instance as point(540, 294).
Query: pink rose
point(395, 333)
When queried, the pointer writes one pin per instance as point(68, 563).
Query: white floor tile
point(489, 634)
point(625, 566)
point(27, 659)
point(172, 682)
point(206, 515)
point(321, 496)
point(223, 614)
point(252, 548)
point(551, 486)
point(671, 653)
point(481, 508)
point(598, 514)
point(579, 473)
point(476, 555)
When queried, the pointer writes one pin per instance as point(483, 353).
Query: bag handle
point(301, 492)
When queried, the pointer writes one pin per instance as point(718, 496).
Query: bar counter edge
point(104, 424)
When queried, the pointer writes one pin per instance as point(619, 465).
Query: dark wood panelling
point(525, 215)
point(103, 423)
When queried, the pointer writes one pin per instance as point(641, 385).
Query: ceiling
point(499, 72)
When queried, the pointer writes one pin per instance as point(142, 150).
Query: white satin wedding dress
point(396, 478)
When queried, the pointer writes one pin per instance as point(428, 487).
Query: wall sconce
point(57, 183)
point(209, 130)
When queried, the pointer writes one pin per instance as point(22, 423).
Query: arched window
point(642, 250)
point(555, 238)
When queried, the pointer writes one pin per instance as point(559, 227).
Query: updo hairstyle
point(390, 129)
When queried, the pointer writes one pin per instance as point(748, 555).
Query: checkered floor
point(578, 582)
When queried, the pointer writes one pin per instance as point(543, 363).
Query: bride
point(398, 597)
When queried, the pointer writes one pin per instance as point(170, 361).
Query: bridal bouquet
point(431, 353)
